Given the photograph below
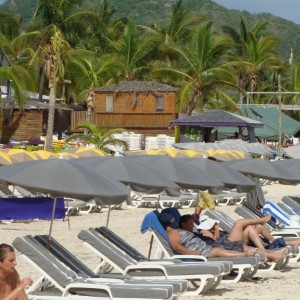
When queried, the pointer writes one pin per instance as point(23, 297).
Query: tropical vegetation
point(69, 48)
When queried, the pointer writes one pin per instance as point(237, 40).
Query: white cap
point(206, 222)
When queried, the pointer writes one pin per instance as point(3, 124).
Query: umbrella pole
point(51, 223)
point(108, 215)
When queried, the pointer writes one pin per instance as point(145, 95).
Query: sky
point(287, 9)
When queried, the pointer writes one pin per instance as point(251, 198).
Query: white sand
point(126, 222)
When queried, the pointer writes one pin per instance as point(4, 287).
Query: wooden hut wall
point(22, 125)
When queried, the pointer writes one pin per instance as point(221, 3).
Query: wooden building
point(144, 107)
point(27, 123)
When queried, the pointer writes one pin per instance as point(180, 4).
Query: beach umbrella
point(43, 154)
point(136, 175)
point(60, 178)
point(66, 155)
point(186, 176)
point(5, 158)
point(20, 155)
point(292, 164)
point(260, 168)
point(88, 152)
point(228, 176)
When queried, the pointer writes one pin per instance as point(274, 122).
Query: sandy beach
point(126, 222)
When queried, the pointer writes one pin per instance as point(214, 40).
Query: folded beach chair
point(66, 282)
point(226, 223)
point(202, 277)
point(67, 258)
point(245, 267)
point(288, 209)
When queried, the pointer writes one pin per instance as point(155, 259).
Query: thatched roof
point(138, 86)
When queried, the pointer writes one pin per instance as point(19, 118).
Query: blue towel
point(151, 221)
point(276, 212)
point(29, 208)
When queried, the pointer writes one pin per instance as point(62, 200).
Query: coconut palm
point(203, 69)
point(253, 54)
point(177, 30)
point(99, 136)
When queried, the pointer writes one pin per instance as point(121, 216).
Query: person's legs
point(274, 256)
point(250, 234)
point(236, 233)
point(263, 231)
point(219, 252)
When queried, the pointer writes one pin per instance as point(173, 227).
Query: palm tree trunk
point(52, 100)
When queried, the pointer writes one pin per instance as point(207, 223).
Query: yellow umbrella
point(67, 155)
point(167, 151)
point(88, 152)
point(42, 154)
point(225, 155)
point(5, 158)
point(19, 155)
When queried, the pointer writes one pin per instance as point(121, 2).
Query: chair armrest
point(186, 256)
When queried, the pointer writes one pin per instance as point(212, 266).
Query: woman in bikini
point(11, 286)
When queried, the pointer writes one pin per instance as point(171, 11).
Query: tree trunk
point(52, 100)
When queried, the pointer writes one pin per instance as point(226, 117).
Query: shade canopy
point(266, 169)
point(60, 178)
point(228, 176)
point(184, 175)
point(138, 176)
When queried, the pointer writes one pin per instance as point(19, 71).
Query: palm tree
point(202, 69)
point(253, 55)
point(131, 54)
point(99, 136)
point(178, 30)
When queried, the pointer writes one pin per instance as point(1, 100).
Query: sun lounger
point(276, 230)
point(208, 275)
point(67, 258)
point(293, 201)
point(245, 266)
point(226, 223)
point(185, 200)
point(68, 282)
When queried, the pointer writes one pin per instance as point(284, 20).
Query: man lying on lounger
point(184, 241)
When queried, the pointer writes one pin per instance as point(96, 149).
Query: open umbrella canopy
point(266, 169)
point(60, 178)
point(292, 164)
point(19, 155)
point(88, 152)
point(5, 158)
point(186, 176)
point(43, 154)
point(167, 151)
point(66, 155)
point(138, 176)
point(230, 177)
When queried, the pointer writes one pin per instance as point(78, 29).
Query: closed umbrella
point(184, 175)
point(138, 176)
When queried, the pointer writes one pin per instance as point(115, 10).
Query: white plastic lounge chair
point(67, 258)
point(226, 223)
point(202, 276)
point(246, 267)
point(67, 282)
point(246, 212)
point(185, 200)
